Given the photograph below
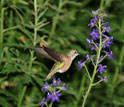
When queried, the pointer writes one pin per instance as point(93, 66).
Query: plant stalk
point(35, 24)
point(1, 22)
point(21, 98)
point(95, 68)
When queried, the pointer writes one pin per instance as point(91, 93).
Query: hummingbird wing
point(57, 66)
point(54, 54)
point(43, 53)
point(49, 53)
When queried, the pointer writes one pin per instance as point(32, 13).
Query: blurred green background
point(63, 24)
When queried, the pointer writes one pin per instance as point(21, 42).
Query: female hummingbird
point(62, 61)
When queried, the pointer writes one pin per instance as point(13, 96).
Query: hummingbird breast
point(67, 63)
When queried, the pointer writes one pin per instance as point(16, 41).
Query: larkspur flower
point(95, 42)
point(100, 58)
point(95, 34)
point(95, 12)
point(98, 41)
point(64, 87)
point(54, 96)
point(89, 42)
point(109, 41)
point(53, 91)
point(88, 57)
point(106, 27)
point(56, 82)
point(42, 102)
point(109, 54)
point(93, 21)
point(80, 64)
point(46, 87)
point(59, 81)
point(101, 68)
point(94, 47)
point(104, 78)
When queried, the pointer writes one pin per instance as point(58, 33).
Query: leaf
point(38, 80)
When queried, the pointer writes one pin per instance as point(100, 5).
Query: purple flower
point(101, 68)
point(95, 34)
point(64, 87)
point(95, 12)
point(110, 54)
point(52, 89)
point(100, 58)
point(108, 42)
point(89, 42)
point(106, 27)
point(104, 78)
point(56, 82)
point(94, 47)
point(59, 81)
point(88, 57)
point(80, 64)
point(42, 102)
point(93, 22)
point(54, 96)
point(46, 87)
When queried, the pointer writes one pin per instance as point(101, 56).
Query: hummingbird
point(62, 61)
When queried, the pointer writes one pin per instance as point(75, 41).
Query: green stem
point(11, 28)
point(31, 61)
point(87, 71)
point(95, 68)
point(35, 37)
point(103, 58)
point(16, 45)
point(92, 62)
point(101, 4)
point(32, 52)
point(51, 104)
point(21, 98)
point(1, 22)
point(56, 18)
point(35, 25)
point(89, 88)
point(120, 64)
point(82, 87)
point(97, 82)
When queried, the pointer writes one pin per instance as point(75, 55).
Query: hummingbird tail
point(49, 75)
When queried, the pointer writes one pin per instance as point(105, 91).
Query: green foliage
point(63, 24)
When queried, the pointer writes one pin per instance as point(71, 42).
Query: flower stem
point(56, 18)
point(97, 82)
point(90, 86)
point(21, 98)
point(31, 61)
point(102, 4)
point(87, 71)
point(51, 104)
point(35, 25)
point(1, 22)
point(120, 65)
point(95, 68)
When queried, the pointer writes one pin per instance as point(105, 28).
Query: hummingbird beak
point(78, 53)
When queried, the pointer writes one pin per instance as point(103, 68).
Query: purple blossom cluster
point(99, 41)
point(53, 91)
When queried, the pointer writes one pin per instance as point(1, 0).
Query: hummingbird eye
point(75, 52)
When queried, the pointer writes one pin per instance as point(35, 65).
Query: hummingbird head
point(72, 54)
